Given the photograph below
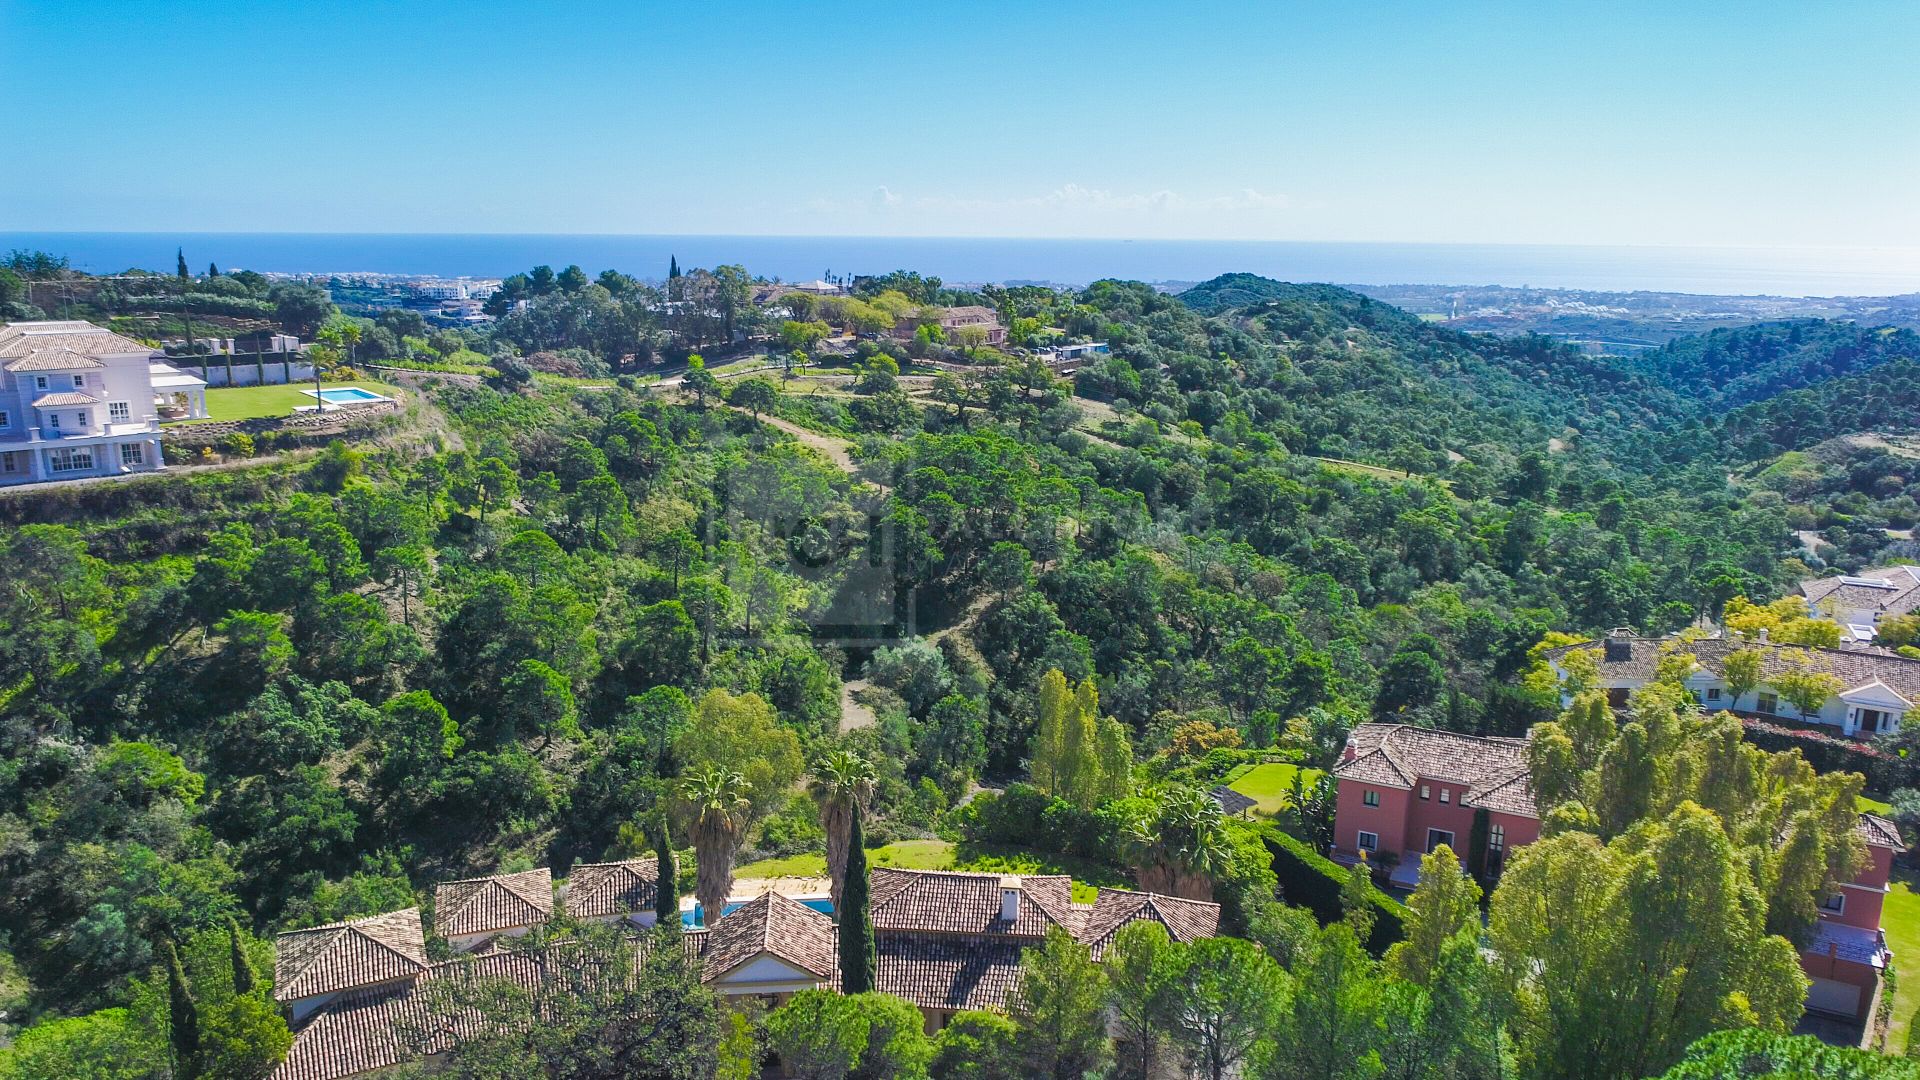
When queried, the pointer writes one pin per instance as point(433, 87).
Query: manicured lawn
point(941, 855)
point(250, 402)
point(1270, 784)
point(1900, 918)
point(1872, 806)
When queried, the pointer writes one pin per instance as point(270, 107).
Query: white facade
point(75, 401)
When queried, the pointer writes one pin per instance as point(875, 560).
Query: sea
point(1721, 271)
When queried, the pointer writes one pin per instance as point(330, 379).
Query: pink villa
point(1405, 791)
point(1847, 950)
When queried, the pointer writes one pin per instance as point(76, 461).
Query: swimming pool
point(346, 395)
point(823, 904)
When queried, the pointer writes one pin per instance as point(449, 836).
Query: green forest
point(696, 570)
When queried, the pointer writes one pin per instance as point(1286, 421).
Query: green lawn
point(1872, 806)
point(941, 855)
point(251, 402)
point(1270, 784)
point(1900, 918)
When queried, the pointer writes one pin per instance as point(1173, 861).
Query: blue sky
point(1789, 123)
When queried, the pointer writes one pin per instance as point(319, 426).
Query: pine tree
point(856, 921)
point(183, 1018)
point(666, 896)
point(244, 980)
point(213, 270)
point(180, 267)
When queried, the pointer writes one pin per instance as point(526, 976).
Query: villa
point(78, 400)
point(1404, 791)
point(945, 940)
point(1847, 951)
point(1859, 601)
point(1877, 687)
point(952, 320)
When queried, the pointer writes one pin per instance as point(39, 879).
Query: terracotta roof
point(945, 971)
point(595, 890)
point(22, 339)
point(776, 924)
point(343, 956)
point(1880, 832)
point(1855, 667)
point(952, 902)
point(1185, 920)
point(500, 902)
point(71, 397)
point(1494, 770)
point(54, 359)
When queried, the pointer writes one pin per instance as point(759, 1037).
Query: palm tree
point(841, 781)
point(1181, 848)
point(715, 801)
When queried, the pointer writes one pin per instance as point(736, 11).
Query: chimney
point(1618, 645)
point(1763, 635)
point(1009, 899)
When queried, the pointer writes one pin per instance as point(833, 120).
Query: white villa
point(1878, 688)
point(79, 400)
point(1859, 601)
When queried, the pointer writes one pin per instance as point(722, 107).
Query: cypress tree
point(180, 265)
point(666, 895)
point(244, 980)
point(213, 270)
point(183, 1018)
point(856, 920)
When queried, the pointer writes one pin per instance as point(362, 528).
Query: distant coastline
point(1699, 270)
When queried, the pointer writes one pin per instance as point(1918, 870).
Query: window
point(1436, 837)
point(9, 462)
point(1424, 793)
point(53, 421)
point(6, 419)
point(1371, 798)
point(132, 453)
point(1766, 703)
point(1368, 841)
point(1446, 795)
point(1497, 838)
point(79, 381)
point(39, 382)
point(1837, 903)
point(119, 412)
point(1713, 693)
point(83, 419)
point(74, 460)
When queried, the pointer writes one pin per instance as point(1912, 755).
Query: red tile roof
point(1494, 770)
point(774, 924)
point(500, 902)
point(343, 956)
point(954, 902)
point(596, 890)
point(1185, 920)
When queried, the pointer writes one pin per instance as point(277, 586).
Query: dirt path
point(853, 714)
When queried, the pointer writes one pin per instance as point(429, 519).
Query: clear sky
point(1669, 122)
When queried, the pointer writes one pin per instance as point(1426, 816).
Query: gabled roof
point(1494, 770)
point(500, 902)
point(49, 401)
point(774, 924)
point(23, 338)
point(954, 902)
point(1185, 920)
point(595, 890)
point(54, 359)
point(1867, 691)
point(949, 971)
point(346, 955)
point(1879, 832)
point(1856, 668)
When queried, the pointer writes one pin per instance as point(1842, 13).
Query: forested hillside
point(307, 690)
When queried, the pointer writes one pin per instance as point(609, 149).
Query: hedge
point(1830, 753)
point(1313, 881)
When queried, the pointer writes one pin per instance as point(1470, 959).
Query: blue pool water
point(348, 395)
point(696, 916)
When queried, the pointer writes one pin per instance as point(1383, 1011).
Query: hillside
point(1735, 367)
